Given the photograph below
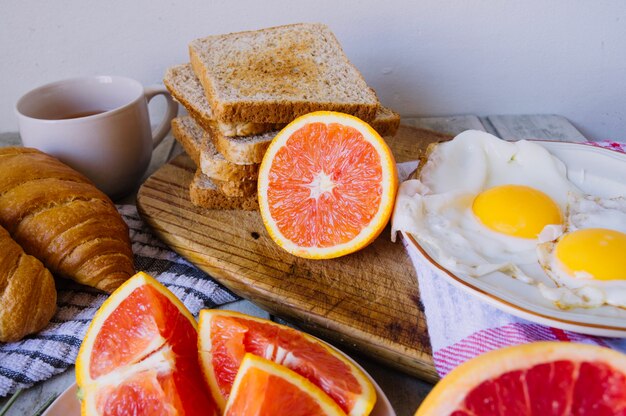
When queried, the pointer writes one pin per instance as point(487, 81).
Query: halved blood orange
point(140, 356)
point(536, 379)
point(326, 186)
point(263, 387)
point(225, 337)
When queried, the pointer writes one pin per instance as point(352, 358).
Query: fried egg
point(586, 259)
point(481, 202)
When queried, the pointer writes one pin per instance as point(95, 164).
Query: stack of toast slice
point(240, 89)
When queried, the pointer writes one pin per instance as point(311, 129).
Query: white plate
point(67, 404)
point(594, 170)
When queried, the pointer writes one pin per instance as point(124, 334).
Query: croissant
point(58, 216)
point(27, 293)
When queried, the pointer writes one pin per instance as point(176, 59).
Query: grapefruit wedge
point(327, 185)
point(140, 356)
point(263, 387)
point(225, 337)
point(536, 379)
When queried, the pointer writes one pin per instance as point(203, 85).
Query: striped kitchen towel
point(54, 349)
point(461, 326)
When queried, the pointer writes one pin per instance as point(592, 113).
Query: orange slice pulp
point(327, 185)
point(263, 387)
point(225, 337)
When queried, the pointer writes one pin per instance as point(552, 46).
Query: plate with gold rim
point(596, 171)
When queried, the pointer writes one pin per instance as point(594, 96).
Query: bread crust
point(236, 188)
point(423, 158)
point(229, 188)
point(205, 156)
point(187, 132)
point(217, 167)
point(200, 109)
point(386, 121)
point(204, 193)
point(247, 151)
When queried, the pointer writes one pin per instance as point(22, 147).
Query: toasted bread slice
point(247, 150)
point(277, 74)
point(204, 193)
point(205, 155)
point(189, 135)
point(386, 122)
point(234, 188)
point(250, 150)
point(185, 87)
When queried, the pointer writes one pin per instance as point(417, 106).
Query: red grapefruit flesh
point(225, 337)
point(537, 379)
point(140, 355)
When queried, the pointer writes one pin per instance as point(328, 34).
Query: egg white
point(437, 208)
point(582, 290)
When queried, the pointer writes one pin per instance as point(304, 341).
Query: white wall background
point(429, 57)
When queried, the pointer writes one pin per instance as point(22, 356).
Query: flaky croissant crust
point(59, 217)
point(27, 293)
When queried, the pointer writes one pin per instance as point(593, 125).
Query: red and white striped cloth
point(461, 326)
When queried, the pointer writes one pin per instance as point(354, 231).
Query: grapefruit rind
point(83, 359)
point(362, 406)
point(389, 182)
point(327, 404)
point(452, 390)
point(164, 357)
point(204, 353)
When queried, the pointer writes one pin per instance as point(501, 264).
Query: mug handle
point(172, 110)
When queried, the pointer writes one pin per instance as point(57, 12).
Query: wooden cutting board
point(367, 301)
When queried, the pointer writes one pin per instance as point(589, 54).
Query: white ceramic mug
point(98, 125)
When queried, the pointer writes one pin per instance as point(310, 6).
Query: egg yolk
point(516, 210)
point(597, 252)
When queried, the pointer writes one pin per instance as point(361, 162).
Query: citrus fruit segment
point(541, 378)
point(263, 387)
point(140, 355)
point(326, 186)
point(225, 337)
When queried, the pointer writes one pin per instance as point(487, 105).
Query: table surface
point(404, 392)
